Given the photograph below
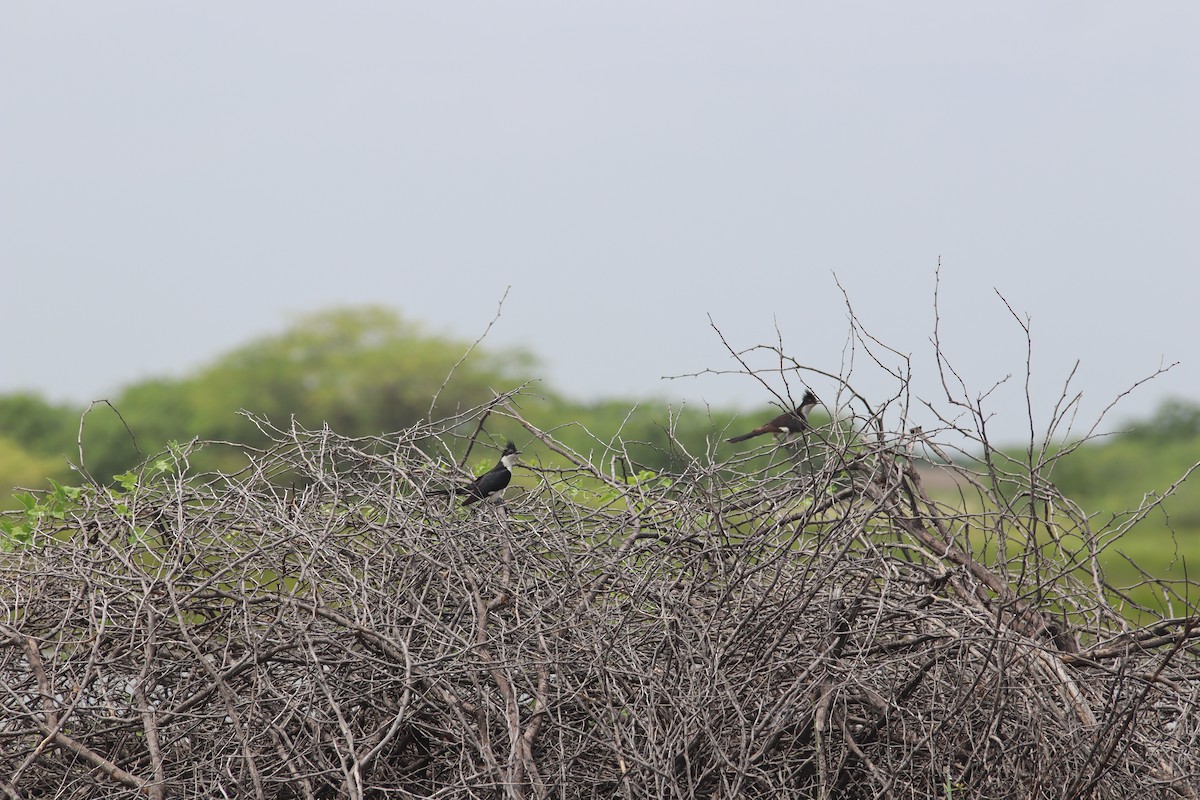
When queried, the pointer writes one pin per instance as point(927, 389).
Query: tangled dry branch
point(320, 625)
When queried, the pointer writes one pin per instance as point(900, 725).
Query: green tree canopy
point(361, 370)
point(41, 427)
point(1175, 420)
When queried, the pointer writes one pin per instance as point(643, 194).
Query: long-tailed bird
point(491, 484)
point(787, 424)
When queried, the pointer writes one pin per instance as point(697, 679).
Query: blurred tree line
point(364, 371)
point(367, 371)
point(1114, 474)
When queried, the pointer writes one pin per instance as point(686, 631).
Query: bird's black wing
point(486, 485)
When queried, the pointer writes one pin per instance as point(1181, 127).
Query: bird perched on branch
point(491, 484)
point(787, 424)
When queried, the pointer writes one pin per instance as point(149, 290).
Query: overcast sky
point(176, 179)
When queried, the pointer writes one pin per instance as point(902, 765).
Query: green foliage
point(42, 428)
point(362, 371)
point(645, 429)
point(16, 530)
point(19, 467)
point(1113, 475)
point(1174, 421)
point(36, 437)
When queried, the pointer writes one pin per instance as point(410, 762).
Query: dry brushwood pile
point(797, 621)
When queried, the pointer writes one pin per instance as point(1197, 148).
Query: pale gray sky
point(177, 178)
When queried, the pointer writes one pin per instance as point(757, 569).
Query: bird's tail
point(743, 437)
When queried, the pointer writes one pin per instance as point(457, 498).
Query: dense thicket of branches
point(321, 625)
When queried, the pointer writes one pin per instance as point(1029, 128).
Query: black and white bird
point(787, 424)
point(491, 484)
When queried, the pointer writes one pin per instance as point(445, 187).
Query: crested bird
point(491, 484)
point(787, 424)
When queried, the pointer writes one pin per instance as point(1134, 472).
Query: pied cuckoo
point(491, 484)
point(787, 424)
